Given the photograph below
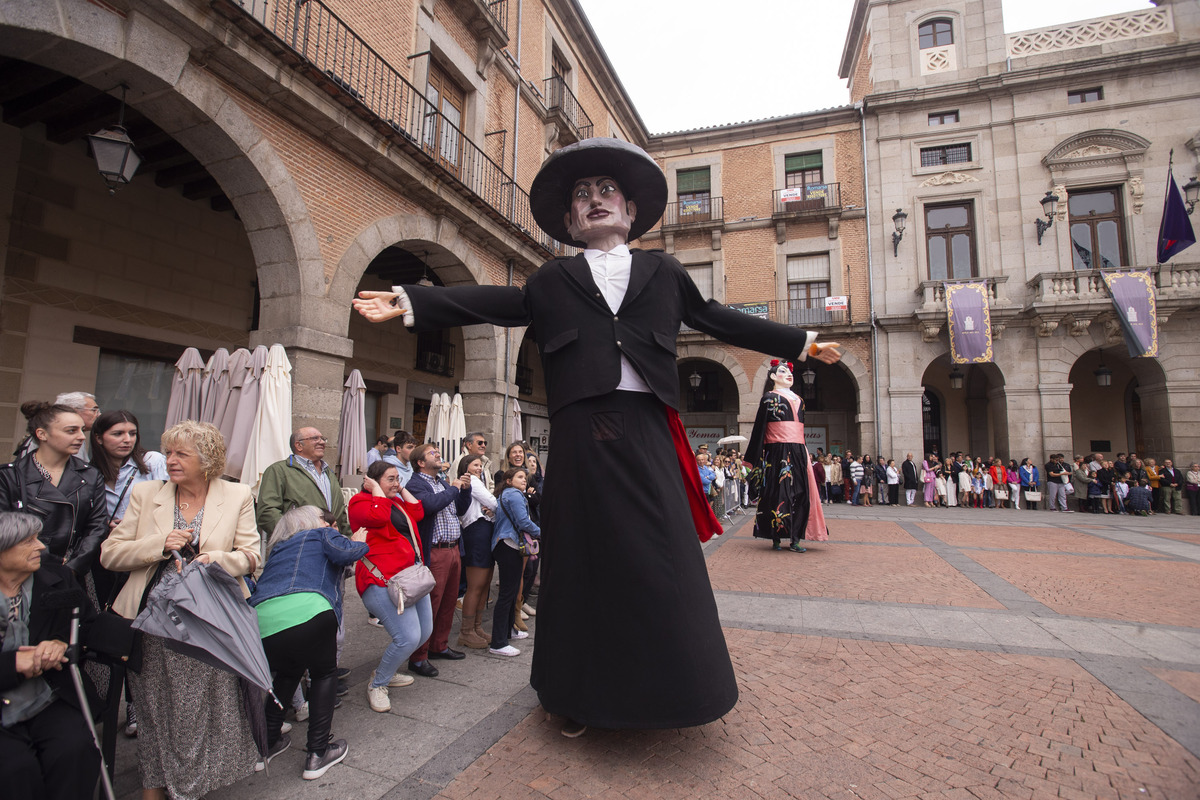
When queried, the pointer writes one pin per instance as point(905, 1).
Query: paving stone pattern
point(919, 653)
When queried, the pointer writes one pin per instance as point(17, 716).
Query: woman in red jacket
point(389, 513)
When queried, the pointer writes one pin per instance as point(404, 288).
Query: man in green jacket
point(301, 479)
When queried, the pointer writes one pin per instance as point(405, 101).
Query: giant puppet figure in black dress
point(789, 506)
point(622, 504)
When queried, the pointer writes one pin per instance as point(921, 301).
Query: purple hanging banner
point(970, 323)
point(1133, 296)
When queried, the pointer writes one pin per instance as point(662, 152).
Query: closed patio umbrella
point(185, 388)
point(432, 432)
point(458, 424)
point(237, 441)
point(352, 433)
point(239, 368)
point(443, 440)
point(515, 428)
point(273, 422)
point(214, 390)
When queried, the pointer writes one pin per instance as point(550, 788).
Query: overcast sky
point(694, 63)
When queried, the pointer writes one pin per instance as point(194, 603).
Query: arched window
point(935, 33)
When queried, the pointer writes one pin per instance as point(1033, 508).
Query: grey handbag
point(409, 584)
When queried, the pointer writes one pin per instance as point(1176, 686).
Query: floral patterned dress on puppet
point(788, 505)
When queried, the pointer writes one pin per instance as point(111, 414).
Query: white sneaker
point(377, 697)
point(302, 712)
point(524, 615)
point(529, 610)
point(507, 650)
point(519, 635)
point(400, 679)
point(285, 728)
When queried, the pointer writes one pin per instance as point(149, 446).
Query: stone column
point(908, 429)
point(318, 372)
point(1171, 422)
point(485, 376)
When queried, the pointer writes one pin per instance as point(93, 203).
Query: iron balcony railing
point(812, 198)
point(439, 361)
point(798, 313)
point(368, 84)
point(559, 98)
point(699, 209)
point(498, 10)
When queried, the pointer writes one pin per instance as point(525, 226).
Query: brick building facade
point(296, 154)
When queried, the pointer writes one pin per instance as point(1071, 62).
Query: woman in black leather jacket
point(57, 487)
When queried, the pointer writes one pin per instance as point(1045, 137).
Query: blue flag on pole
point(1175, 231)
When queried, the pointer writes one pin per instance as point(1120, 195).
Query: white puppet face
point(782, 377)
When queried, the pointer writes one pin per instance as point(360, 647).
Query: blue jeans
point(854, 497)
point(408, 630)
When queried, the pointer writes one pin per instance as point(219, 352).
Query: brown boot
point(468, 636)
point(519, 623)
point(480, 632)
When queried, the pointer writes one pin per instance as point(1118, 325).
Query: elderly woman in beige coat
point(193, 730)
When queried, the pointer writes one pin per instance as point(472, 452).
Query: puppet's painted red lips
point(597, 214)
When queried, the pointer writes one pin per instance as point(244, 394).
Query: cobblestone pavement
point(925, 653)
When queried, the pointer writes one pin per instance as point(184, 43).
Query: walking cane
point(77, 679)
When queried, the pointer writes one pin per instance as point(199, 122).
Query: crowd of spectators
point(1092, 484)
point(112, 523)
point(1126, 484)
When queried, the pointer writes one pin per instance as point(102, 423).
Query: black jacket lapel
point(643, 269)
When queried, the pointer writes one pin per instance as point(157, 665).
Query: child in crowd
point(1121, 493)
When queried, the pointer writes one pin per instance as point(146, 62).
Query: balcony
point(801, 201)
point(796, 313)
point(308, 35)
point(701, 212)
point(1100, 31)
point(439, 361)
point(562, 106)
point(498, 11)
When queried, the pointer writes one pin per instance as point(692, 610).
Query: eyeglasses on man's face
point(315, 439)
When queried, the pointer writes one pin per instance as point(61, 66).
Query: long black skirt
point(783, 506)
point(627, 628)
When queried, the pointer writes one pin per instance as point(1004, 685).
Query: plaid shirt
point(445, 524)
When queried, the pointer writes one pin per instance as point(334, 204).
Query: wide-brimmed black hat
point(630, 166)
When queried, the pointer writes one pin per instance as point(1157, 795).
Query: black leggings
point(310, 646)
point(508, 561)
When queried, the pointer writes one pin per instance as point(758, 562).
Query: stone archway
point(849, 377)
point(487, 377)
point(747, 397)
point(105, 49)
point(974, 416)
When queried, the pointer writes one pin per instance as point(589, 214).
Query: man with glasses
point(304, 479)
point(475, 444)
point(301, 479)
point(443, 502)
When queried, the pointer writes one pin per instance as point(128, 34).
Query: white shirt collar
point(620, 251)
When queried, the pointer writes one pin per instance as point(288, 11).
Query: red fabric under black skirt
point(627, 629)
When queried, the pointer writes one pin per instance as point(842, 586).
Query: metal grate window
point(946, 154)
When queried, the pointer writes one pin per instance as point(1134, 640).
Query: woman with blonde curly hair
point(193, 729)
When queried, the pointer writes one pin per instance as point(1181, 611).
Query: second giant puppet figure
point(622, 504)
point(789, 506)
